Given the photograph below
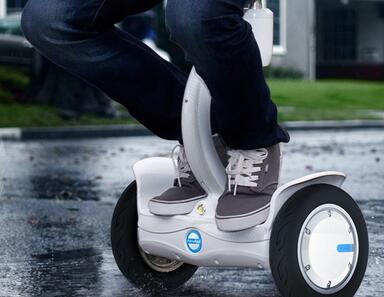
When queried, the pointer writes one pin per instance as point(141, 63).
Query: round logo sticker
point(194, 241)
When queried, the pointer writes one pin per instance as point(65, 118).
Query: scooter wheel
point(147, 272)
point(319, 244)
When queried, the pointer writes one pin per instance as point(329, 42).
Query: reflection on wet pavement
point(57, 198)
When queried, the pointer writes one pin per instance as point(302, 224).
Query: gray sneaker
point(183, 196)
point(252, 179)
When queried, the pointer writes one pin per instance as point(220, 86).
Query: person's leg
point(225, 53)
point(80, 36)
point(223, 49)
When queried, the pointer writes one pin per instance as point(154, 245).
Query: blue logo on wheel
point(194, 241)
point(345, 248)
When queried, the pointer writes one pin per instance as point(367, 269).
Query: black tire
point(127, 254)
point(285, 235)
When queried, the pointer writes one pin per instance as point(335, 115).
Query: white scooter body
point(194, 238)
point(315, 246)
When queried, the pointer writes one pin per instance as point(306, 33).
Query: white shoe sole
point(176, 208)
point(239, 223)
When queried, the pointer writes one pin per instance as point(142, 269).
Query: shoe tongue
point(246, 190)
point(190, 179)
point(183, 165)
point(186, 181)
point(256, 190)
point(253, 154)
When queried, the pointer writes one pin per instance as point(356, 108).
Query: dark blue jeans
point(80, 36)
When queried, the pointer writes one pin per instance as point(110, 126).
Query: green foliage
point(5, 95)
point(13, 79)
point(12, 84)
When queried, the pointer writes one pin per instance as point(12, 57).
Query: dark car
point(15, 50)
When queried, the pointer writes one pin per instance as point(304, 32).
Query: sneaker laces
point(180, 163)
point(243, 167)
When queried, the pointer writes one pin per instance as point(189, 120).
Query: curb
point(86, 132)
point(79, 132)
point(334, 125)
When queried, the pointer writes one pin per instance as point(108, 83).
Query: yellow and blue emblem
point(194, 241)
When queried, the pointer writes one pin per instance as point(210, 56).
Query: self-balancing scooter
point(314, 241)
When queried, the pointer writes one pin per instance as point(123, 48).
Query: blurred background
point(328, 64)
point(57, 195)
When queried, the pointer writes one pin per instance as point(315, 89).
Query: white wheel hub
point(328, 249)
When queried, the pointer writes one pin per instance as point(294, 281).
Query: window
point(15, 5)
point(279, 8)
point(337, 32)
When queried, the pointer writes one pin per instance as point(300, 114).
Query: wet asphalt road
point(57, 198)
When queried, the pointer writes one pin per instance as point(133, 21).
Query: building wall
point(301, 40)
point(300, 43)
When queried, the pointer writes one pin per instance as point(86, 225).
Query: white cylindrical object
point(261, 20)
point(3, 8)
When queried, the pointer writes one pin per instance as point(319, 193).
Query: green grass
point(328, 100)
point(297, 100)
point(16, 115)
